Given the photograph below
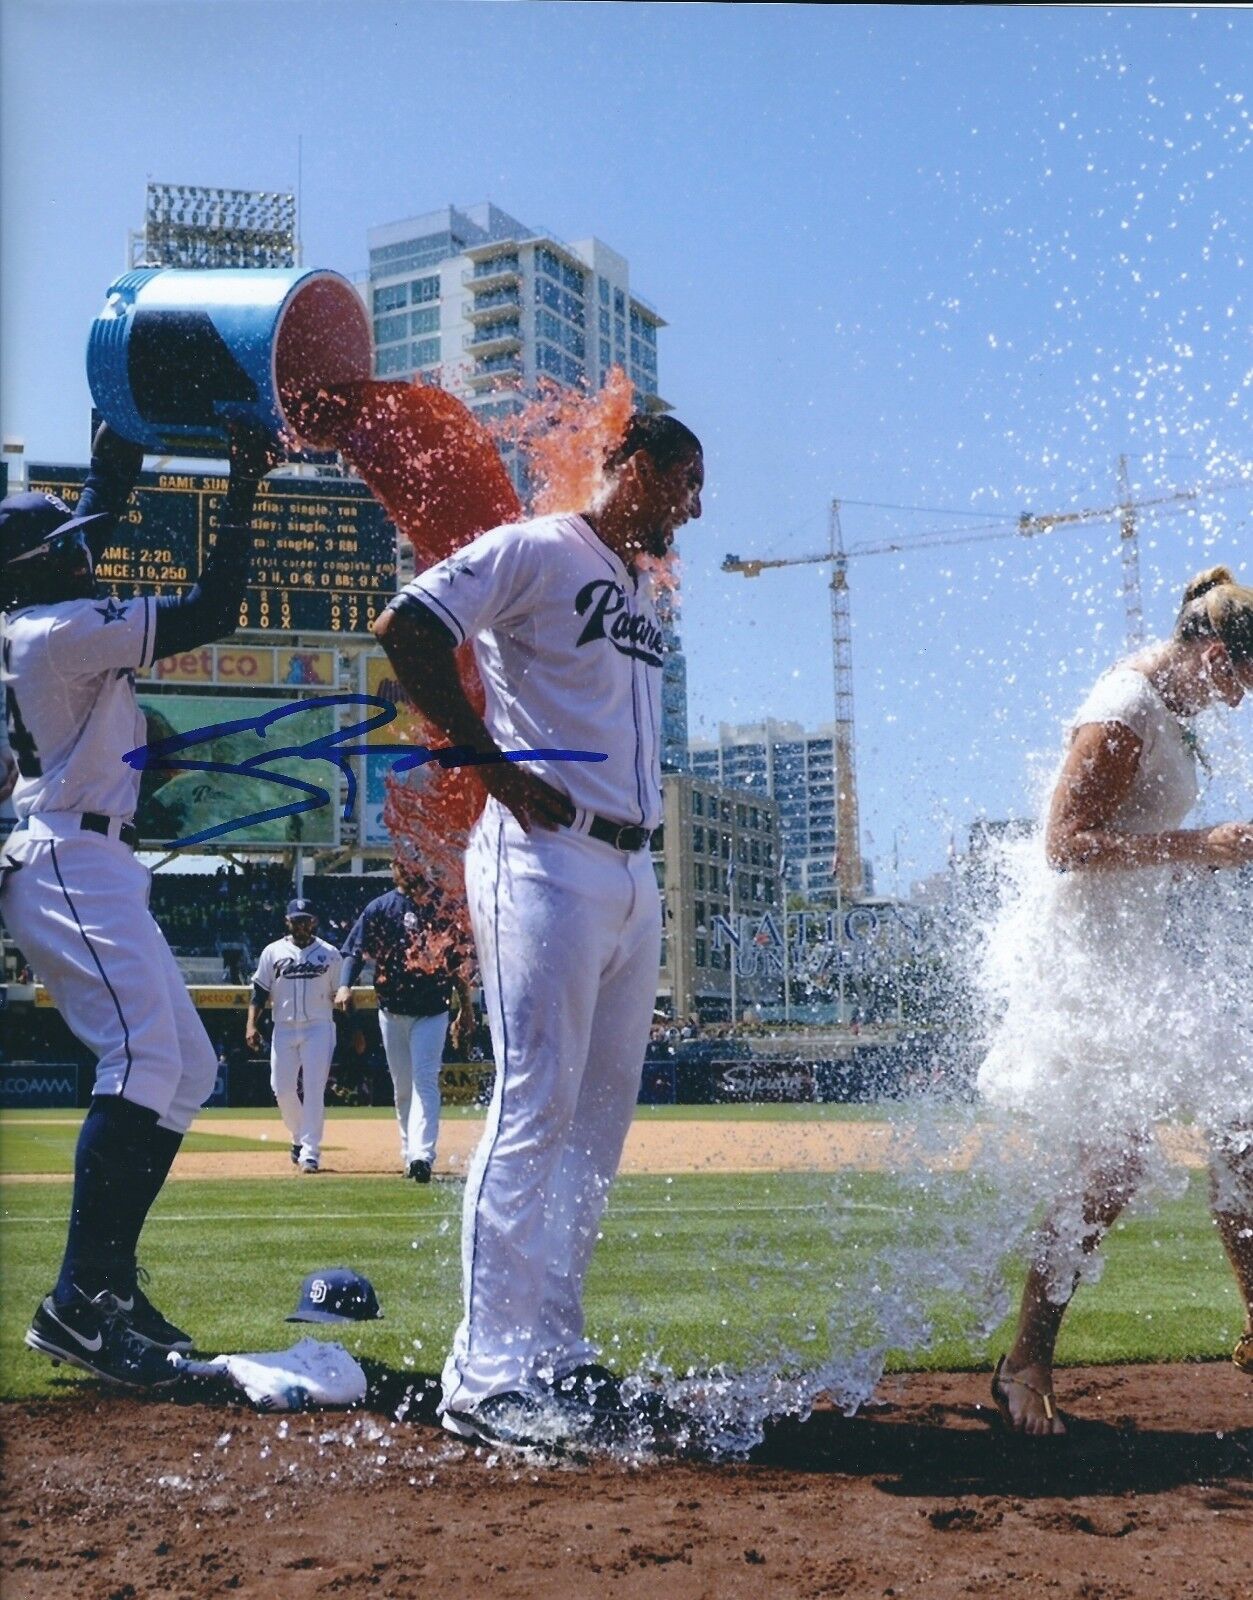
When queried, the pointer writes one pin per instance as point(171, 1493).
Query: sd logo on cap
point(336, 1294)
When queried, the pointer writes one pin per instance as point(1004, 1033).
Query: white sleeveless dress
point(1120, 1002)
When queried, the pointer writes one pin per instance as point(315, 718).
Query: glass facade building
point(794, 768)
point(485, 306)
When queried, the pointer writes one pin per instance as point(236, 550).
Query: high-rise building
point(797, 770)
point(717, 865)
point(486, 307)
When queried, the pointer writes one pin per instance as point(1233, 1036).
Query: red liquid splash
point(439, 475)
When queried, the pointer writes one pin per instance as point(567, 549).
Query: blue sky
point(949, 257)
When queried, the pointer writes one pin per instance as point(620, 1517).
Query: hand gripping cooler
point(176, 354)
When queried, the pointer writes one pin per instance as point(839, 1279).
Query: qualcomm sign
point(29, 1083)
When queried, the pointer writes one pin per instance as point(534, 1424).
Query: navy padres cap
point(336, 1294)
point(300, 908)
point(30, 520)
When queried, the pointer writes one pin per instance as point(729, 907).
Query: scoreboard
point(324, 552)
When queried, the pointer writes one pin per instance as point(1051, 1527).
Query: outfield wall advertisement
point(379, 680)
point(225, 771)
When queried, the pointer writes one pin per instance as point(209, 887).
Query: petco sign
point(246, 667)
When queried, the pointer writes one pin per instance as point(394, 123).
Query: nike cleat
point(94, 1335)
point(590, 1385)
point(149, 1326)
point(515, 1421)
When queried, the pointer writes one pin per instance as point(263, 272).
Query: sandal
point(1242, 1355)
point(1001, 1401)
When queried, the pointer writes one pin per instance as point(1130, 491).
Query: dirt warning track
point(359, 1146)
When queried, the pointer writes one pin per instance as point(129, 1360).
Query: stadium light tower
point(186, 225)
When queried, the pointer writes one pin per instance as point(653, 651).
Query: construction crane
point(850, 872)
point(1129, 543)
point(849, 868)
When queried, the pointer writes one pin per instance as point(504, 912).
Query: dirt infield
point(109, 1499)
point(359, 1145)
point(364, 1145)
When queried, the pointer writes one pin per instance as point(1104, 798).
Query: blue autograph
point(165, 755)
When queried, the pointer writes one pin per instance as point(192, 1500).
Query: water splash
point(440, 475)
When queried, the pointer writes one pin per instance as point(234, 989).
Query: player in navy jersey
point(413, 1005)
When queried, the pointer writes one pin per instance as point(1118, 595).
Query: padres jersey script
point(76, 715)
point(570, 652)
point(301, 983)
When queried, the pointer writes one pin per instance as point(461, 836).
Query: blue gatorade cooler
point(176, 354)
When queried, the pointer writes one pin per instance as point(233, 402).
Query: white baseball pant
point(77, 905)
point(305, 1049)
point(568, 932)
point(414, 1047)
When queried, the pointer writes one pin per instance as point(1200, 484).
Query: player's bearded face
point(301, 930)
point(672, 498)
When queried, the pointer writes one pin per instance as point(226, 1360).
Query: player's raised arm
point(114, 471)
point(210, 609)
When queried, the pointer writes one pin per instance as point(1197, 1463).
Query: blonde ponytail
point(1205, 581)
point(1215, 606)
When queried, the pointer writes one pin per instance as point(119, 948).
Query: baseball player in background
point(564, 906)
point(74, 897)
point(297, 977)
point(413, 1006)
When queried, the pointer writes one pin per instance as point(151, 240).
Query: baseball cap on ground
point(336, 1294)
point(30, 520)
point(300, 908)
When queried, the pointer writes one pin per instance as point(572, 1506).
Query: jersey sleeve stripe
point(435, 603)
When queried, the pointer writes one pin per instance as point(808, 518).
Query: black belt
point(93, 822)
point(621, 835)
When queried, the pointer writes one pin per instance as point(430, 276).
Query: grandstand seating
point(242, 909)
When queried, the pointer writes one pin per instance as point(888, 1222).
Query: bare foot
point(1024, 1398)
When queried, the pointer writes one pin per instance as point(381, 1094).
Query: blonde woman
point(1107, 1027)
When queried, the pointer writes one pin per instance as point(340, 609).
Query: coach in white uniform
point(73, 895)
point(563, 902)
point(297, 976)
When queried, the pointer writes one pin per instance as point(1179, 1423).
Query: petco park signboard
point(243, 667)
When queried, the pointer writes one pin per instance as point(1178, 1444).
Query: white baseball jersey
point(301, 983)
point(76, 713)
point(570, 653)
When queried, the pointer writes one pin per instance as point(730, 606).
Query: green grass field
point(692, 1270)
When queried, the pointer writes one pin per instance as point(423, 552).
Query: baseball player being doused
point(564, 906)
point(75, 898)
